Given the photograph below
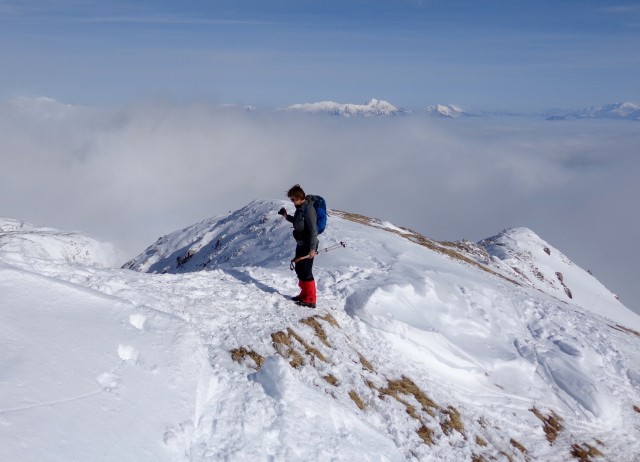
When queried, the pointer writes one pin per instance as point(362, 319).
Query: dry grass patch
point(426, 434)
point(330, 319)
point(552, 424)
point(356, 217)
point(366, 364)
point(317, 328)
point(584, 452)
point(518, 446)
point(240, 354)
point(481, 442)
point(625, 330)
point(308, 349)
point(507, 456)
point(283, 345)
point(371, 385)
point(331, 379)
point(453, 422)
point(470, 248)
point(356, 399)
point(406, 386)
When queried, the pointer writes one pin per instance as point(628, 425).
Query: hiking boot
point(305, 304)
point(301, 295)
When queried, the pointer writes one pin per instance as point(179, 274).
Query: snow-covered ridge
point(522, 256)
point(373, 108)
point(250, 237)
point(445, 307)
point(246, 237)
point(447, 111)
point(418, 351)
point(620, 111)
point(23, 240)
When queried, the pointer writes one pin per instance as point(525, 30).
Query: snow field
point(77, 377)
point(410, 355)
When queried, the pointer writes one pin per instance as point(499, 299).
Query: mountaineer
point(305, 232)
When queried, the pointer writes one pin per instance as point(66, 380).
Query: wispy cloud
point(621, 9)
point(173, 20)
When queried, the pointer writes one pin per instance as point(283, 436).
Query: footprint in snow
point(128, 353)
point(137, 321)
point(108, 381)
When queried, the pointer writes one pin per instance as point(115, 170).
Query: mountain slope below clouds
point(416, 352)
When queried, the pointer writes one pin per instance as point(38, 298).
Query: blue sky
point(495, 54)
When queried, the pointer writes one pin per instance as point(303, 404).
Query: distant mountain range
point(48, 108)
point(375, 107)
point(621, 111)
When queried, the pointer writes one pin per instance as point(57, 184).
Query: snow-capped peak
point(450, 111)
point(524, 256)
point(374, 107)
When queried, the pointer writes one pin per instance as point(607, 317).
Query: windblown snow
point(418, 350)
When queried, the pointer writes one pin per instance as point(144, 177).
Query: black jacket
point(305, 229)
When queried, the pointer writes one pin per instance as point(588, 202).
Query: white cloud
point(133, 174)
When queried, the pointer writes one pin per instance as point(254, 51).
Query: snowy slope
point(521, 255)
point(373, 108)
point(24, 240)
point(416, 352)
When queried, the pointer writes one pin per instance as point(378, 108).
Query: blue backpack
point(321, 211)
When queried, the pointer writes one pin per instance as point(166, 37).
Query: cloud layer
point(131, 174)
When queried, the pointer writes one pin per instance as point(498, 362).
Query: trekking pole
point(326, 249)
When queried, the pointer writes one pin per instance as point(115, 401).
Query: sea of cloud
point(131, 174)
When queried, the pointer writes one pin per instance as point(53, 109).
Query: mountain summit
point(418, 350)
point(447, 111)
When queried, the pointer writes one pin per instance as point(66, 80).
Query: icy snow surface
point(418, 350)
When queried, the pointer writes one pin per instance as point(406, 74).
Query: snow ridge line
point(444, 248)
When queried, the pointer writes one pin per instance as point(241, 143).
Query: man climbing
point(305, 232)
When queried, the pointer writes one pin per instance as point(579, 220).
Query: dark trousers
point(304, 268)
